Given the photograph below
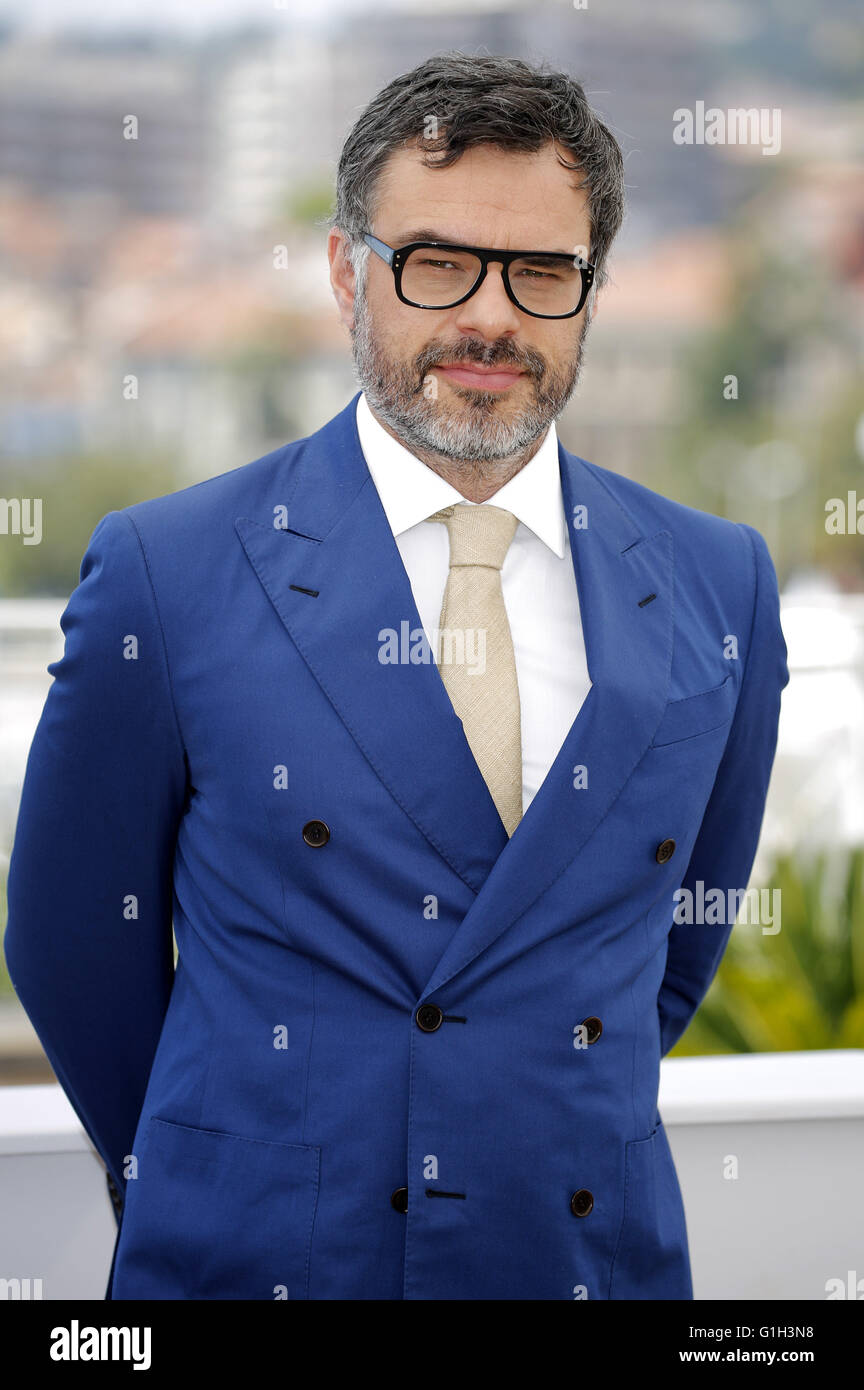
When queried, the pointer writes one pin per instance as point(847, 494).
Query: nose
point(489, 313)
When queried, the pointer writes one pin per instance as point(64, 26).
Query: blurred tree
point(792, 343)
point(801, 988)
point(75, 495)
point(309, 203)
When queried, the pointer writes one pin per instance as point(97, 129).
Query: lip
point(481, 378)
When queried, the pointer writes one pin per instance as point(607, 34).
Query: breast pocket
point(697, 714)
point(213, 1215)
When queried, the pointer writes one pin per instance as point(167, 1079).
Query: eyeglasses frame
point(396, 257)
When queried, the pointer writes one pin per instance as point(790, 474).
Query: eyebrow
point(430, 234)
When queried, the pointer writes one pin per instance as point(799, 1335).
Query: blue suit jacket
point(220, 689)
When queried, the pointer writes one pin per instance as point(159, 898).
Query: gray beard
point(401, 395)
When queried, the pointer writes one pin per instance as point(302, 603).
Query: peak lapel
point(340, 547)
point(629, 649)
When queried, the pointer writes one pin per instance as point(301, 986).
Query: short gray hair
point(503, 102)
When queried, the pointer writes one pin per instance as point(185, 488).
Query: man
point(427, 962)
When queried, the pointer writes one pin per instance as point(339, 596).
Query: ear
point(341, 275)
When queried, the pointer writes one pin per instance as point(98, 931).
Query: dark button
point(316, 833)
point(593, 1028)
point(665, 850)
point(581, 1202)
point(399, 1200)
point(429, 1017)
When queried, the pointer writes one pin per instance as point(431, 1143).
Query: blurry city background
point(153, 259)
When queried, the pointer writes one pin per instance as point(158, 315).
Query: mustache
point(502, 353)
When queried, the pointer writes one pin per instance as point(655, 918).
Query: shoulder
point(730, 553)
point(227, 494)
point(198, 520)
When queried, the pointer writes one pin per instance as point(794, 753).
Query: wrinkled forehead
point(487, 197)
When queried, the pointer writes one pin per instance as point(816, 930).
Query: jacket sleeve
point(729, 834)
point(89, 942)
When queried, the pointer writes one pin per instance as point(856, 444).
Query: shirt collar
point(410, 491)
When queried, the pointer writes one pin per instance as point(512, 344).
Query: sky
point(204, 16)
point(191, 15)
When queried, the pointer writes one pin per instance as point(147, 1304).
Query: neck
point(477, 481)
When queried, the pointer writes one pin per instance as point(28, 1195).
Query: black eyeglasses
point(436, 275)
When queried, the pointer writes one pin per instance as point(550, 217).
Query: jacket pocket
point(213, 1215)
point(651, 1259)
point(696, 714)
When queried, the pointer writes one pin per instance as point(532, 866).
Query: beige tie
point(475, 650)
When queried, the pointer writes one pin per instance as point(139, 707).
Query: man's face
point(427, 373)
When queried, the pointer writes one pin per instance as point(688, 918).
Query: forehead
point(488, 197)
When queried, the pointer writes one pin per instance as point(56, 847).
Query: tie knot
point(478, 535)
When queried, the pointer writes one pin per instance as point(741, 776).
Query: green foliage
point(802, 988)
point(791, 340)
point(310, 203)
point(76, 493)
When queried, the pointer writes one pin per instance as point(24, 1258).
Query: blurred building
point(140, 303)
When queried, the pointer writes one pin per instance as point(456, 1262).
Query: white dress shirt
point(537, 579)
